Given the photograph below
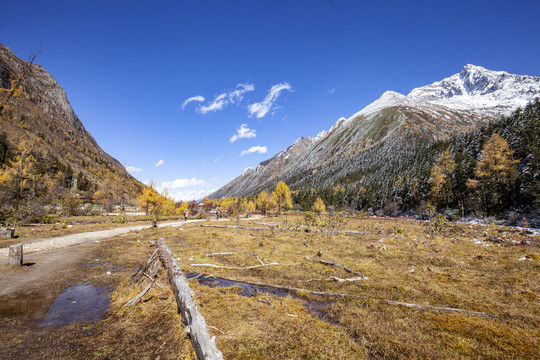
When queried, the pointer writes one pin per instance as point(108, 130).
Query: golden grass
point(402, 262)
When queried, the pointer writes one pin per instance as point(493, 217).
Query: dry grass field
point(491, 270)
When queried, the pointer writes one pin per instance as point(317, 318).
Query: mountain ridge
point(41, 122)
point(456, 104)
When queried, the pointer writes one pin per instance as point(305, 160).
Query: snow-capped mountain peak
point(480, 90)
point(389, 98)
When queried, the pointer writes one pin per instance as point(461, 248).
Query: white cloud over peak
point(197, 98)
point(132, 169)
point(182, 183)
point(159, 163)
point(260, 109)
point(226, 98)
point(188, 195)
point(254, 149)
point(243, 132)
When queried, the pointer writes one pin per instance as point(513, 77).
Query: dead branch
point(437, 308)
point(330, 263)
point(221, 254)
point(267, 302)
point(154, 281)
point(151, 261)
point(235, 267)
point(141, 294)
point(358, 278)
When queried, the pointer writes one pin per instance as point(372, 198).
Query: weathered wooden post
point(15, 257)
point(7, 233)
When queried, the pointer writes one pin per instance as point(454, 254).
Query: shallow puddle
point(81, 302)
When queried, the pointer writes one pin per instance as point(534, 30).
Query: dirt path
point(41, 244)
point(56, 257)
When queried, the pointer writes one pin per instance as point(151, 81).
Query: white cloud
point(331, 91)
point(159, 163)
point(189, 195)
point(133, 169)
point(260, 109)
point(198, 98)
point(254, 149)
point(182, 183)
point(243, 132)
point(217, 159)
point(226, 98)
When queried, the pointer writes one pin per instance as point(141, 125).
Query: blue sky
point(269, 71)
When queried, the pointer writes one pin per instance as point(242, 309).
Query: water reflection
point(81, 302)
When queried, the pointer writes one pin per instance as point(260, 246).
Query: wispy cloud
point(255, 149)
point(260, 109)
point(159, 163)
point(133, 169)
point(182, 183)
point(226, 98)
point(331, 91)
point(243, 132)
point(197, 98)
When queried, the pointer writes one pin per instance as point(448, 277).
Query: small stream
point(313, 306)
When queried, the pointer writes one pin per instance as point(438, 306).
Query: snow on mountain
point(480, 90)
point(442, 109)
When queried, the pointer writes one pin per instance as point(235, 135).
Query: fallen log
point(234, 267)
point(195, 326)
point(330, 263)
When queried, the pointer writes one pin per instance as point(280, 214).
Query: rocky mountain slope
point(393, 125)
point(45, 138)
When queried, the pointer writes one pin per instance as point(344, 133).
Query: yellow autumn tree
point(262, 201)
point(495, 173)
point(441, 186)
point(17, 176)
point(318, 206)
point(283, 197)
point(152, 202)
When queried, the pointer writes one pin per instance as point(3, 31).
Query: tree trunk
point(15, 257)
point(195, 326)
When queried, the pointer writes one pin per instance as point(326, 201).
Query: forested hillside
point(46, 155)
point(471, 172)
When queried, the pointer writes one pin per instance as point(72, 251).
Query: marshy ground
point(488, 269)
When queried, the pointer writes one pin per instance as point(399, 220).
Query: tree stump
point(15, 255)
point(7, 233)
